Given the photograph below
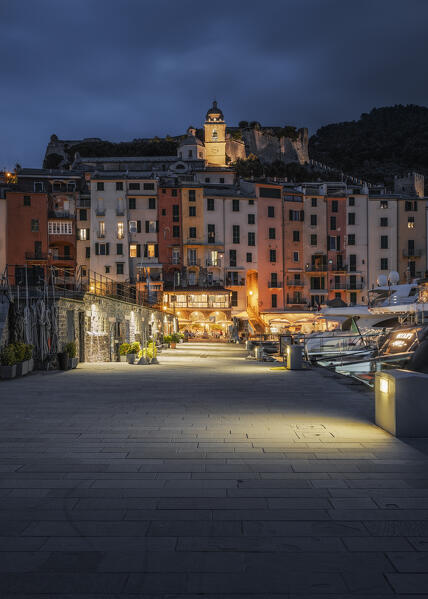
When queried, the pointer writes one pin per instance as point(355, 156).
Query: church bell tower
point(215, 137)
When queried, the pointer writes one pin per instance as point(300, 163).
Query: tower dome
point(214, 113)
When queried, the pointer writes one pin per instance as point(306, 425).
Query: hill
point(382, 143)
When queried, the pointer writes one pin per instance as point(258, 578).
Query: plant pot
point(123, 358)
point(172, 345)
point(74, 362)
point(130, 358)
point(22, 368)
point(8, 372)
point(64, 361)
point(30, 365)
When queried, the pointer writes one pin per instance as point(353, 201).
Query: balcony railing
point(235, 282)
point(275, 284)
point(354, 286)
point(217, 263)
point(412, 253)
point(61, 258)
point(120, 211)
point(193, 262)
point(338, 267)
point(295, 283)
point(100, 235)
point(36, 256)
point(100, 212)
point(316, 268)
point(60, 214)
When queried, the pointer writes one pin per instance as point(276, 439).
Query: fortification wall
point(270, 148)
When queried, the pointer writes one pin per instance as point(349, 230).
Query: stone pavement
point(205, 476)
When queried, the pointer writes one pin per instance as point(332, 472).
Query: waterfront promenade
point(205, 476)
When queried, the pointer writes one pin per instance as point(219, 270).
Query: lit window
point(120, 231)
point(150, 250)
point(133, 250)
point(102, 228)
point(411, 222)
point(132, 226)
point(83, 234)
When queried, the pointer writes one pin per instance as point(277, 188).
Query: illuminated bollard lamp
point(294, 357)
point(401, 402)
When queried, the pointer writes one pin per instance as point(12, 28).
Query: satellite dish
point(382, 280)
point(393, 277)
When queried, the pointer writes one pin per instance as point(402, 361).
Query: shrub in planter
point(133, 352)
point(71, 351)
point(167, 339)
point(29, 357)
point(21, 362)
point(123, 350)
point(8, 362)
point(175, 338)
point(150, 352)
point(64, 360)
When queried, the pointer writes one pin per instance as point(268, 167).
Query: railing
point(316, 268)
point(63, 258)
point(36, 256)
point(338, 286)
point(84, 203)
point(412, 253)
point(338, 267)
point(120, 211)
point(100, 212)
point(235, 282)
point(275, 284)
point(101, 235)
point(60, 214)
point(195, 262)
point(217, 263)
point(354, 286)
point(295, 283)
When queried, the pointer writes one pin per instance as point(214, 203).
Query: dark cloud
point(132, 68)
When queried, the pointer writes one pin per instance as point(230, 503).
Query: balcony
point(36, 256)
point(100, 235)
point(100, 212)
point(60, 214)
point(338, 267)
point(354, 286)
point(319, 291)
point(62, 258)
point(235, 282)
point(120, 211)
point(295, 283)
point(338, 286)
point(275, 284)
point(316, 268)
point(214, 263)
point(193, 262)
point(412, 253)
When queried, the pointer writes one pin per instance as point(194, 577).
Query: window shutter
point(138, 250)
point(138, 226)
point(145, 250)
point(156, 250)
point(302, 215)
point(338, 243)
point(290, 215)
point(88, 233)
point(77, 233)
point(157, 226)
point(328, 242)
point(97, 249)
point(147, 226)
point(107, 249)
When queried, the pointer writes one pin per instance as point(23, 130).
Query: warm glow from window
point(150, 250)
point(83, 234)
point(133, 250)
point(120, 231)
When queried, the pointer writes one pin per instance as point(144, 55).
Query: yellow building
point(215, 137)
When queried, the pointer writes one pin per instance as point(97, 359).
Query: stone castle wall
point(270, 148)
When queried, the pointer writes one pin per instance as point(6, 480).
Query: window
point(148, 186)
point(295, 256)
point(249, 257)
point(119, 249)
point(192, 232)
point(232, 257)
point(351, 239)
point(251, 238)
point(207, 179)
point(83, 214)
point(27, 200)
point(221, 179)
point(163, 212)
point(119, 185)
point(60, 228)
point(174, 193)
point(100, 186)
point(274, 279)
point(176, 231)
point(132, 203)
point(272, 233)
point(314, 239)
point(132, 226)
point(235, 234)
point(333, 223)
point(296, 215)
point(272, 255)
point(120, 231)
point(314, 202)
point(314, 220)
point(192, 259)
point(152, 203)
point(334, 206)
point(102, 249)
point(331, 243)
point(234, 299)
point(296, 235)
point(351, 201)
point(410, 222)
point(192, 210)
point(384, 242)
point(175, 213)
point(274, 300)
point(35, 225)
point(88, 252)
point(119, 268)
point(352, 262)
point(107, 269)
point(39, 186)
point(384, 221)
point(134, 250)
point(271, 211)
point(251, 202)
point(408, 206)
point(383, 204)
point(235, 205)
point(351, 218)
point(83, 234)
point(134, 186)
point(211, 233)
point(192, 195)
point(384, 263)
point(151, 250)
point(233, 278)
point(210, 204)
point(251, 219)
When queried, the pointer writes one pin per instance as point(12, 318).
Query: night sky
point(138, 68)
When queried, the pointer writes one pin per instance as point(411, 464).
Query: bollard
point(258, 352)
point(294, 357)
point(401, 402)
point(248, 345)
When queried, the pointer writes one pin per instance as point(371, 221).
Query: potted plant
point(123, 350)
point(71, 351)
point(132, 352)
point(167, 340)
point(29, 357)
point(21, 362)
point(63, 360)
point(175, 338)
point(150, 353)
point(8, 362)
